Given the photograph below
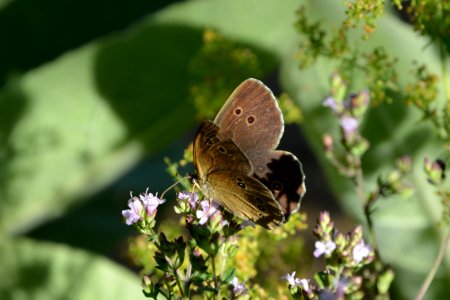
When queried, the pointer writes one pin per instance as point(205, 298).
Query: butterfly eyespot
point(260, 215)
point(237, 111)
point(240, 183)
point(251, 119)
point(209, 141)
point(277, 186)
point(222, 149)
point(261, 208)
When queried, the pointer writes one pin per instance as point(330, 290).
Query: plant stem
point(216, 283)
point(435, 267)
point(177, 275)
point(366, 204)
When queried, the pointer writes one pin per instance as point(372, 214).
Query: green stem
point(216, 283)
point(366, 203)
point(177, 274)
point(445, 74)
point(434, 268)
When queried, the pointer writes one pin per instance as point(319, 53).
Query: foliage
point(112, 89)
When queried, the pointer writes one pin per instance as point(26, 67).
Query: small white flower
point(238, 288)
point(207, 211)
point(304, 284)
point(360, 252)
point(324, 248)
point(291, 278)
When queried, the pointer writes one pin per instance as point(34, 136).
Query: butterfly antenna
point(173, 185)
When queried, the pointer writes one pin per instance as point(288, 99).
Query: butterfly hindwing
point(246, 197)
point(283, 176)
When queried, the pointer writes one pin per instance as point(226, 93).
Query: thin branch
point(434, 269)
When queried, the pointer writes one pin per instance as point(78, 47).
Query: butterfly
point(236, 161)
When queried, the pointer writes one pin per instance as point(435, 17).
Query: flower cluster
point(349, 250)
point(349, 271)
point(349, 112)
point(142, 210)
point(187, 266)
point(200, 210)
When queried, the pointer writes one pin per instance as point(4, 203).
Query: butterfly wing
point(252, 119)
point(245, 197)
point(225, 175)
point(280, 171)
point(212, 154)
point(283, 176)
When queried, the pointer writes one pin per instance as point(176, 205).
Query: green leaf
point(228, 275)
point(70, 127)
point(41, 270)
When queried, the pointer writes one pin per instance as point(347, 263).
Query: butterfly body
point(237, 165)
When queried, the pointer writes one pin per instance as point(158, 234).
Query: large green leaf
point(38, 270)
point(75, 124)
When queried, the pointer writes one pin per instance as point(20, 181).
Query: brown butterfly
point(237, 165)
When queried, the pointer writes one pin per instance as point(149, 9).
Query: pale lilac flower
point(304, 284)
point(151, 202)
point(291, 279)
point(324, 248)
point(238, 288)
point(349, 125)
point(208, 210)
point(133, 214)
point(184, 195)
point(360, 252)
point(331, 103)
point(192, 198)
point(340, 286)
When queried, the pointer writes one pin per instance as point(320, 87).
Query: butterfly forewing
point(251, 118)
point(217, 155)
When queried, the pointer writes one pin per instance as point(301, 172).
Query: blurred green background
point(94, 94)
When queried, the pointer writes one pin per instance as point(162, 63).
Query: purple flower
point(331, 103)
point(133, 214)
point(238, 288)
point(360, 251)
point(324, 248)
point(349, 125)
point(143, 206)
point(151, 202)
point(207, 211)
point(192, 198)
